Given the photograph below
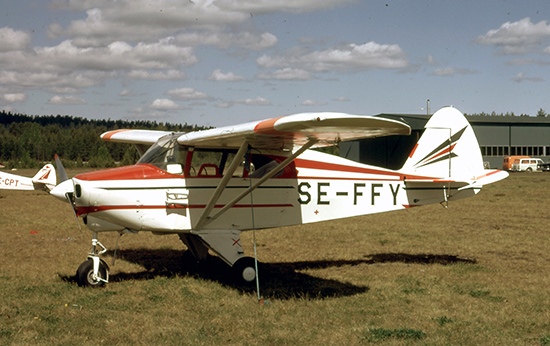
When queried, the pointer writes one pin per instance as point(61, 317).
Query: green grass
point(381, 334)
point(474, 274)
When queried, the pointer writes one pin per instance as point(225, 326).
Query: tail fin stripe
point(442, 158)
point(454, 138)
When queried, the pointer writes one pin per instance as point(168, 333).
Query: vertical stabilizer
point(45, 179)
point(448, 148)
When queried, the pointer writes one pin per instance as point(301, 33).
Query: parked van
point(526, 165)
point(509, 160)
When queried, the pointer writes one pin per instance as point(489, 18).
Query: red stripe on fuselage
point(97, 209)
point(302, 163)
point(139, 171)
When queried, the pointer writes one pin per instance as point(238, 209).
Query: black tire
point(244, 271)
point(85, 271)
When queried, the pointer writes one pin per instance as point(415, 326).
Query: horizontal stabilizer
point(491, 176)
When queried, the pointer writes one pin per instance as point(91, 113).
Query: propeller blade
point(65, 189)
point(60, 170)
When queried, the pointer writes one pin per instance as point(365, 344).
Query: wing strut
point(221, 186)
point(269, 175)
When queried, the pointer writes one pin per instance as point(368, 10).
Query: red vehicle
point(509, 160)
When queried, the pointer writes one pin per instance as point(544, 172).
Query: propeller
point(65, 189)
point(62, 174)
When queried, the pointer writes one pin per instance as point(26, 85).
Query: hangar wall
point(498, 137)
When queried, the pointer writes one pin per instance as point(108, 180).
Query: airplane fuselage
point(315, 187)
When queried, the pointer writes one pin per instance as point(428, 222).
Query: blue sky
point(222, 62)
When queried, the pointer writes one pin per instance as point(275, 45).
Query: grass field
point(477, 273)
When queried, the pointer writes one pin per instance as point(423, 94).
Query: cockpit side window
point(173, 158)
point(166, 154)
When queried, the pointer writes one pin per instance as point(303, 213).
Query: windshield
point(164, 153)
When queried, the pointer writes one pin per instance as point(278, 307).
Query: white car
point(527, 165)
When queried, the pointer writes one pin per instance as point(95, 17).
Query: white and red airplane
point(209, 186)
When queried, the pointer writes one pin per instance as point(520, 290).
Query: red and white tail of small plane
point(45, 180)
point(447, 155)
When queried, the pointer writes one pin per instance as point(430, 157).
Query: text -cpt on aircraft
point(43, 180)
point(208, 186)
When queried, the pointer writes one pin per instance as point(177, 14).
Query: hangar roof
point(417, 121)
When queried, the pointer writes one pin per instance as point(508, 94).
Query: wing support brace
point(222, 185)
point(205, 219)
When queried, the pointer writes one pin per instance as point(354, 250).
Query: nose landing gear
point(93, 272)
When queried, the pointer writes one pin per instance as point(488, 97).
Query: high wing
point(283, 133)
point(149, 137)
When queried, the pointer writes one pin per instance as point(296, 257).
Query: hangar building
point(498, 137)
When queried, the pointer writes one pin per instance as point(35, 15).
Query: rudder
point(448, 148)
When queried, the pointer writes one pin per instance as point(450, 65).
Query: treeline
point(29, 141)
point(540, 113)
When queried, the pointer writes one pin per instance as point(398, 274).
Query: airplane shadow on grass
point(281, 280)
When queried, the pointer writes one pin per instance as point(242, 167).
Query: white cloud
point(219, 76)
point(66, 100)
point(130, 20)
point(518, 37)
point(164, 105)
point(224, 105)
point(521, 77)
point(63, 90)
point(73, 68)
point(267, 6)
point(13, 40)
point(342, 99)
point(350, 58)
point(287, 73)
point(11, 98)
point(187, 94)
point(117, 56)
point(9, 109)
point(313, 103)
point(156, 75)
point(451, 71)
point(226, 40)
point(50, 80)
point(126, 93)
point(258, 101)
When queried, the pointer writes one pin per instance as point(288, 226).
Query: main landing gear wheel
point(85, 274)
point(244, 270)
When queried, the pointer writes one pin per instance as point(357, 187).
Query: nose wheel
point(85, 276)
point(93, 272)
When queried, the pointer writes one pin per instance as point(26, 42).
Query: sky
point(223, 62)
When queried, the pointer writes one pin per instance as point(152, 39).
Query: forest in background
point(30, 141)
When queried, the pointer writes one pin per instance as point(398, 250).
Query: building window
point(503, 151)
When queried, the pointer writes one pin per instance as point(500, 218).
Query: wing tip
point(107, 136)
